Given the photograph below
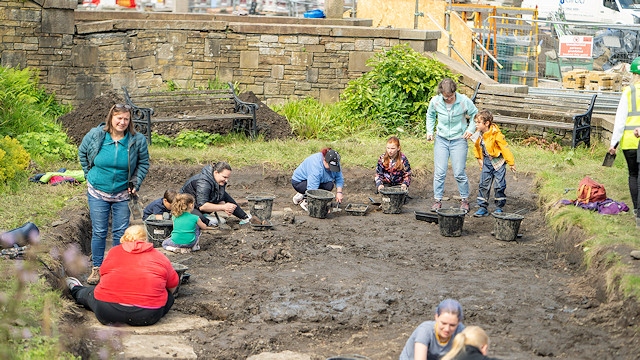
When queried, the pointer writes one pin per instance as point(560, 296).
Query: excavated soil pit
point(361, 284)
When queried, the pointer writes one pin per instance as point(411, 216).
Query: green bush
point(50, 146)
point(24, 106)
point(162, 141)
point(396, 92)
point(13, 158)
point(196, 139)
point(28, 113)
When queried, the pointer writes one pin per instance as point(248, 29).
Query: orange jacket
point(496, 144)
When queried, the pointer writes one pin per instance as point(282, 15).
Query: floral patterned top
point(389, 175)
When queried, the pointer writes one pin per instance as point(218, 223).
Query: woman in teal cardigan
point(115, 161)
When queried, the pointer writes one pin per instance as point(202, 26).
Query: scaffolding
point(506, 44)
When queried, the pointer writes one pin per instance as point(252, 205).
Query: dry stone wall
point(80, 55)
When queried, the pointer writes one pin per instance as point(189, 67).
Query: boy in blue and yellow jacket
point(493, 155)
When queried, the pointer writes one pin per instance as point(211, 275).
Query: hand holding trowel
point(134, 203)
point(610, 157)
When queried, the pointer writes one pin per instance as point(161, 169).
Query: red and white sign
point(576, 46)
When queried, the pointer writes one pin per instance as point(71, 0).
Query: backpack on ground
point(590, 191)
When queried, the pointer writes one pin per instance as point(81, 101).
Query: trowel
point(134, 204)
point(222, 225)
point(609, 158)
point(134, 207)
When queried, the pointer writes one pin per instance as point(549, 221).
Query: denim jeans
point(456, 150)
point(497, 177)
point(100, 212)
point(168, 242)
point(301, 186)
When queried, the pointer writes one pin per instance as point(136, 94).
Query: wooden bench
point(191, 105)
point(604, 108)
point(563, 114)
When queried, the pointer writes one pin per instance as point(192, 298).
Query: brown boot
point(94, 278)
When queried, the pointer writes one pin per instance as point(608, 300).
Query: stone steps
point(163, 340)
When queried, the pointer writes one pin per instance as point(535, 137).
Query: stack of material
point(601, 81)
point(574, 79)
point(580, 79)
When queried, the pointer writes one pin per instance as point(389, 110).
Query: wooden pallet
point(575, 79)
point(601, 81)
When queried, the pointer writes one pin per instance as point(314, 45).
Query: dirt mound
point(93, 112)
point(270, 123)
point(90, 114)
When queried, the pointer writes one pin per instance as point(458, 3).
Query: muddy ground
point(361, 284)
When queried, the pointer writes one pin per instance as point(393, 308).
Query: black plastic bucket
point(451, 221)
point(181, 270)
point(349, 357)
point(158, 230)
point(261, 205)
point(392, 200)
point(507, 226)
point(319, 202)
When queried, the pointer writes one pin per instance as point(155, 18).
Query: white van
point(592, 11)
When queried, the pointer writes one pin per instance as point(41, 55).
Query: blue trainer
point(498, 211)
point(481, 212)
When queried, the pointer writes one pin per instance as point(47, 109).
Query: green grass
point(310, 119)
point(566, 174)
point(24, 201)
point(30, 312)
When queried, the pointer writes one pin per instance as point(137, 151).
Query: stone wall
point(80, 55)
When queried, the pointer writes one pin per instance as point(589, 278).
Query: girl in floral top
point(393, 167)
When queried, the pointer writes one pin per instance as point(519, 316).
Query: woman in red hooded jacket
point(136, 286)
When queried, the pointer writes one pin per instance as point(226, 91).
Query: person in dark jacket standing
point(115, 161)
point(471, 344)
point(209, 189)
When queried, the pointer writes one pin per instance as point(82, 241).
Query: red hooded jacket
point(134, 273)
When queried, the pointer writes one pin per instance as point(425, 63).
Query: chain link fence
point(526, 49)
point(527, 57)
point(613, 47)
